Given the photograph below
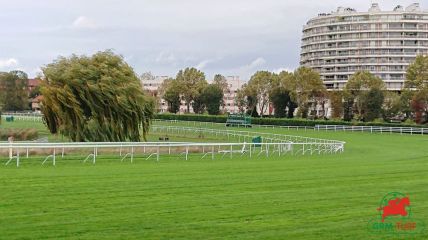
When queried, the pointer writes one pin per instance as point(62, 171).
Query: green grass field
point(292, 197)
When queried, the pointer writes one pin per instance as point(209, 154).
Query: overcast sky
point(231, 37)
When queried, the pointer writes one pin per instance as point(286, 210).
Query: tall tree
point(359, 91)
point(213, 98)
point(13, 94)
point(373, 100)
point(191, 82)
point(171, 93)
point(391, 106)
point(221, 82)
point(281, 95)
point(258, 89)
point(336, 102)
point(417, 80)
point(309, 90)
point(95, 98)
point(241, 100)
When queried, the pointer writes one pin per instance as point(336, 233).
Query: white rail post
point(17, 158)
point(157, 155)
point(95, 155)
point(54, 156)
point(132, 154)
point(10, 140)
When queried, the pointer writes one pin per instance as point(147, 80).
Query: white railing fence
point(240, 136)
point(373, 129)
point(89, 151)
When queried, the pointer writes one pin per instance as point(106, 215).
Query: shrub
point(26, 134)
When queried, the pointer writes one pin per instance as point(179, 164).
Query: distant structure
point(234, 83)
point(153, 84)
point(340, 43)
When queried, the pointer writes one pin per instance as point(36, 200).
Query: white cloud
point(7, 63)
point(203, 64)
point(278, 70)
point(166, 57)
point(83, 22)
point(256, 63)
point(247, 70)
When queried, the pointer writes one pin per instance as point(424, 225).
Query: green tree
point(258, 89)
point(95, 98)
point(373, 100)
point(221, 82)
point(359, 91)
point(171, 94)
point(405, 101)
point(336, 102)
point(416, 80)
point(280, 95)
point(241, 100)
point(213, 98)
point(191, 83)
point(391, 106)
point(13, 94)
point(309, 90)
point(417, 74)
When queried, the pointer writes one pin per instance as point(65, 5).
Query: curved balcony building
point(383, 42)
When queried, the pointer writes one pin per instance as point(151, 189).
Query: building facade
point(234, 83)
point(383, 42)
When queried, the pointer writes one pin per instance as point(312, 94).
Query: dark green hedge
point(276, 121)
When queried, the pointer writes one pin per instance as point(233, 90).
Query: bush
point(19, 134)
point(278, 121)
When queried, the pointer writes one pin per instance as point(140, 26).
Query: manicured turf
point(292, 197)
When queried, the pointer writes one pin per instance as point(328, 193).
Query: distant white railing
point(241, 135)
point(147, 150)
point(36, 117)
point(373, 129)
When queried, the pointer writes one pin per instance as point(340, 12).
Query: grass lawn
point(292, 197)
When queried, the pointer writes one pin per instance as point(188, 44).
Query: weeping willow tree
point(96, 98)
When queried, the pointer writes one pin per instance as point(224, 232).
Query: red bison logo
point(395, 206)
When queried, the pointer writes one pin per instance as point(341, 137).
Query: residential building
point(340, 43)
point(234, 83)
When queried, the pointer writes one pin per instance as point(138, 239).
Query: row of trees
point(364, 97)
point(13, 91)
point(285, 91)
point(191, 87)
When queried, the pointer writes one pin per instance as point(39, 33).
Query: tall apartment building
point(383, 42)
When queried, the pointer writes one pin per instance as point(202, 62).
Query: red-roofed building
point(32, 84)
